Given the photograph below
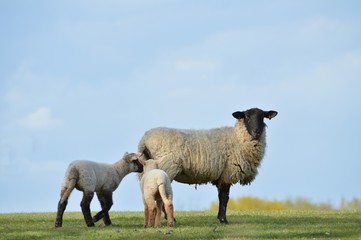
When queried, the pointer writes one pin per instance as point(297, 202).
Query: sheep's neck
point(252, 150)
point(122, 169)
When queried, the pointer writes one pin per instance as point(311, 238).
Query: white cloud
point(41, 118)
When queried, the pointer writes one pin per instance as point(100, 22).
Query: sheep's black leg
point(223, 197)
point(85, 207)
point(163, 210)
point(165, 214)
point(59, 215)
point(64, 195)
point(106, 202)
point(100, 214)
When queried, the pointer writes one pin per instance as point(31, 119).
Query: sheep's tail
point(71, 179)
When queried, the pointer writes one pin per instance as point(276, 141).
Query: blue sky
point(85, 80)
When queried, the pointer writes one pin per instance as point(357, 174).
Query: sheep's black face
point(138, 165)
point(253, 119)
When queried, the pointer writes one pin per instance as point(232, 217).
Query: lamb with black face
point(138, 165)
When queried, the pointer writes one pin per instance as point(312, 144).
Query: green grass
point(248, 224)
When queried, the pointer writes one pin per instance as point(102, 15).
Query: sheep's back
point(94, 176)
point(152, 179)
point(156, 176)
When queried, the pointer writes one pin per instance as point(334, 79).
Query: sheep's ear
point(128, 157)
point(238, 115)
point(270, 114)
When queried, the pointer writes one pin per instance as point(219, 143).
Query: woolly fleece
point(224, 155)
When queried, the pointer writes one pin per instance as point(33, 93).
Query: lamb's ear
point(270, 114)
point(238, 115)
point(126, 157)
point(140, 158)
point(142, 161)
point(125, 154)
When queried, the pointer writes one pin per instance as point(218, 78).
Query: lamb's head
point(253, 120)
point(150, 163)
point(134, 163)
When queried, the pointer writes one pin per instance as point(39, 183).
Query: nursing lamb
point(222, 156)
point(156, 188)
point(90, 177)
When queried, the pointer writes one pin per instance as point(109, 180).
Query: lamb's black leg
point(165, 213)
point(163, 210)
point(85, 207)
point(223, 197)
point(59, 215)
point(100, 214)
point(106, 202)
point(61, 207)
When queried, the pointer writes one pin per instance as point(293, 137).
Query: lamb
point(90, 177)
point(222, 156)
point(156, 187)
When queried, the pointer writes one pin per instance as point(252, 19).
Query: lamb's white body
point(89, 177)
point(95, 176)
point(222, 156)
point(156, 187)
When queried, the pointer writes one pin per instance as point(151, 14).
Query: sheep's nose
point(256, 133)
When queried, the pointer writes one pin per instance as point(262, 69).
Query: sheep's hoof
point(90, 224)
point(223, 221)
point(175, 220)
point(108, 223)
point(58, 224)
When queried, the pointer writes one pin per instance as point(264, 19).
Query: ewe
point(90, 177)
point(222, 156)
point(156, 187)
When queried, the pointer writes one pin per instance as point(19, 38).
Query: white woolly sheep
point(90, 177)
point(222, 156)
point(156, 187)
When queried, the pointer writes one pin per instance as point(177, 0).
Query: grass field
point(190, 225)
